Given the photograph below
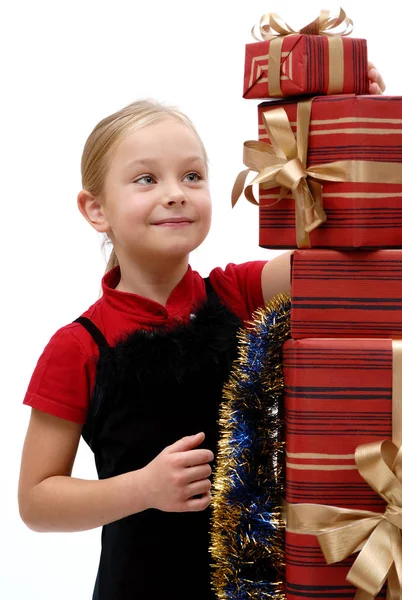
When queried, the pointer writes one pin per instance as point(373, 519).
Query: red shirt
point(63, 379)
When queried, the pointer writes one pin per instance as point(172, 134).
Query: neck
point(155, 282)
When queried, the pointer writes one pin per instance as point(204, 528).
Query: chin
point(183, 247)
point(178, 253)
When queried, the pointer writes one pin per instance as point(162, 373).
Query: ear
point(91, 208)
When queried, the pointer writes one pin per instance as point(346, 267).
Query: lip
point(174, 221)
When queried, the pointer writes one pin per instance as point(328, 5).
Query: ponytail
point(112, 262)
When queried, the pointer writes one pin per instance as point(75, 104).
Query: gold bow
point(376, 536)
point(344, 531)
point(283, 163)
point(272, 28)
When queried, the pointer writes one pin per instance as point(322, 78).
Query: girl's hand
point(377, 85)
point(177, 479)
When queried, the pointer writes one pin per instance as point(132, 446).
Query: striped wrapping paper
point(338, 395)
point(359, 215)
point(350, 293)
point(305, 66)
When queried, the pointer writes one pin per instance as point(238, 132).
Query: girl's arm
point(51, 500)
point(275, 276)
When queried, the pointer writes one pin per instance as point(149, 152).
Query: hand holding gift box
point(318, 59)
point(377, 83)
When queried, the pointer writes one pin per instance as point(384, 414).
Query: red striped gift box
point(350, 293)
point(338, 395)
point(304, 66)
point(359, 214)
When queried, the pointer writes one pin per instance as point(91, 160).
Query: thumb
point(185, 443)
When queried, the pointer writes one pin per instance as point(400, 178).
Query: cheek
point(208, 212)
point(205, 205)
point(138, 209)
point(206, 218)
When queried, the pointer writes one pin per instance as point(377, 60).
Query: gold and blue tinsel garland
point(247, 544)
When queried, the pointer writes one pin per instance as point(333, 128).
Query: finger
point(376, 78)
point(197, 473)
point(198, 488)
point(374, 88)
point(185, 443)
point(380, 81)
point(197, 504)
point(193, 458)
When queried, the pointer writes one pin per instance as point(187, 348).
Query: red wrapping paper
point(338, 395)
point(305, 66)
point(350, 293)
point(359, 215)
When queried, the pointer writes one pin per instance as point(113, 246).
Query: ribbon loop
point(370, 569)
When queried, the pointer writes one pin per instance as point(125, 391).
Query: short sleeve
point(60, 383)
point(240, 287)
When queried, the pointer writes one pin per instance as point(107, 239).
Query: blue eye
point(145, 180)
point(193, 177)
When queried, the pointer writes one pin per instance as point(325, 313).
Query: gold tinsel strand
point(254, 388)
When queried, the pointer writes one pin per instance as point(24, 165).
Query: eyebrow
point(150, 161)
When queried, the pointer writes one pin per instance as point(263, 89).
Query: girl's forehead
point(167, 137)
point(163, 129)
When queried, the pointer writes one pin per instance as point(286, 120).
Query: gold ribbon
point(272, 26)
point(283, 163)
point(376, 536)
point(274, 29)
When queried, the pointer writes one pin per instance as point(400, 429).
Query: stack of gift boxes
point(330, 180)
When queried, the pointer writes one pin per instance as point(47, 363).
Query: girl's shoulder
point(73, 337)
point(239, 286)
point(61, 381)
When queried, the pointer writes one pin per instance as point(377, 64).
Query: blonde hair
point(109, 132)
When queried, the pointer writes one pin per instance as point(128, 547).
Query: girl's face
point(156, 197)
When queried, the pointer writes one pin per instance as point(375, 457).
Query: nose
point(174, 195)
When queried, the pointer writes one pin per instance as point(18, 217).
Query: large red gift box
point(305, 66)
point(338, 395)
point(359, 214)
point(346, 293)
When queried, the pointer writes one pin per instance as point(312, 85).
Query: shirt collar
point(178, 305)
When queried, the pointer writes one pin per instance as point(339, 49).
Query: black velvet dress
point(151, 389)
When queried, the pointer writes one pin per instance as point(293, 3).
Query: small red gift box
point(338, 395)
point(353, 152)
point(306, 67)
point(346, 294)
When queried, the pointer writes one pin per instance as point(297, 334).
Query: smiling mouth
point(172, 222)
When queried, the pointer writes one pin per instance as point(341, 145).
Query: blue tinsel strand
point(247, 532)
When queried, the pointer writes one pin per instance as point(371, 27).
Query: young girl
point(140, 373)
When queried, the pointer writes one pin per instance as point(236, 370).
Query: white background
point(66, 65)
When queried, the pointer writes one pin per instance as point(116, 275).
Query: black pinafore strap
point(98, 336)
point(96, 333)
